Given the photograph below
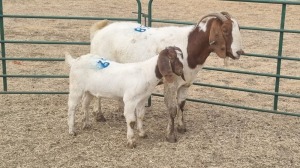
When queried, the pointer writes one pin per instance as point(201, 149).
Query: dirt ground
point(34, 129)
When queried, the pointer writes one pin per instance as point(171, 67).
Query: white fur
point(237, 39)
point(123, 44)
point(132, 82)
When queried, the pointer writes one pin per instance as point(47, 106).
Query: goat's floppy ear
point(164, 65)
point(216, 40)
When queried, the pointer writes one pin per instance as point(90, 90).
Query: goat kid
point(215, 32)
point(91, 75)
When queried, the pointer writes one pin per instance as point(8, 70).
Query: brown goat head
point(220, 37)
point(224, 35)
point(169, 62)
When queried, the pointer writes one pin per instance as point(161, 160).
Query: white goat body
point(103, 82)
point(132, 82)
point(122, 43)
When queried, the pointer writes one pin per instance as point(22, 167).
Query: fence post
point(3, 47)
point(280, 46)
point(150, 13)
point(139, 11)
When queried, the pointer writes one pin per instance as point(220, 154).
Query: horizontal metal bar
point(291, 2)
point(206, 68)
point(33, 59)
point(252, 73)
point(242, 27)
point(62, 59)
point(31, 92)
point(44, 42)
point(35, 76)
point(247, 90)
point(270, 29)
point(67, 17)
point(272, 57)
point(172, 21)
point(236, 106)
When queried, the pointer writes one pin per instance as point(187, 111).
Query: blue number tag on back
point(141, 29)
point(102, 63)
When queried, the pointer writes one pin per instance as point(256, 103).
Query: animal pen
point(149, 20)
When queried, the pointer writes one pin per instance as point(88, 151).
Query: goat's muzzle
point(182, 76)
point(238, 53)
point(180, 73)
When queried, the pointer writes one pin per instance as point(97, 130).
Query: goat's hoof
point(181, 129)
point(86, 126)
point(120, 110)
point(131, 145)
point(72, 133)
point(100, 118)
point(144, 136)
point(171, 138)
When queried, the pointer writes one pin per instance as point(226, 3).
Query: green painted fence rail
point(3, 42)
point(68, 17)
point(148, 22)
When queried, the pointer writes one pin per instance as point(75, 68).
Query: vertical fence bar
point(139, 11)
point(149, 25)
point(3, 47)
point(280, 46)
point(150, 13)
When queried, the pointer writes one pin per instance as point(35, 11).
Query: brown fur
point(168, 63)
point(226, 29)
point(198, 47)
point(218, 34)
point(216, 39)
point(132, 124)
point(97, 26)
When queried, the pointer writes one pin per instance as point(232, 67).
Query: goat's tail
point(69, 60)
point(97, 26)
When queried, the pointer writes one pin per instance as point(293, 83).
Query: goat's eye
point(213, 43)
point(226, 32)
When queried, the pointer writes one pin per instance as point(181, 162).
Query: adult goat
point(131, 42)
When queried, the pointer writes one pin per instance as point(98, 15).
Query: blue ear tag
point(102, 63)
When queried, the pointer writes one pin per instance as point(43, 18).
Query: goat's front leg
point(98, 112)
point(140, 113)
point(129, 113)
point(120, 105)
point(171, 103)
point(181, 99)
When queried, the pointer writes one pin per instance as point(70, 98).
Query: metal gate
point(148, 21)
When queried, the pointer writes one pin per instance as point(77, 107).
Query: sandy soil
point(33, 128)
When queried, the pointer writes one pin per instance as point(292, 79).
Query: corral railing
point(4, 58)
point(150, 18)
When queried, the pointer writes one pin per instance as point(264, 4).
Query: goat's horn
point(218, 15)
point(226, 14)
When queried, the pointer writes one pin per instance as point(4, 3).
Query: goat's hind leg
point(85, 107)
point(98, 112)
point(73, 100)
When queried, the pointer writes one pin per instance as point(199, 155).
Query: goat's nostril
point(240, 52)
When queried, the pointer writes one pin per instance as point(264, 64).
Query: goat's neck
point(198, 46)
